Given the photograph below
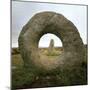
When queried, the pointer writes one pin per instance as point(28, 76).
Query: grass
point(23, 78)
point(53, 54)
point(17, 60)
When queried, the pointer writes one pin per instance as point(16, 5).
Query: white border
point(62, 1)
point(5, 44)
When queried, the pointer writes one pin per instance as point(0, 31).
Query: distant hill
point(16, 50)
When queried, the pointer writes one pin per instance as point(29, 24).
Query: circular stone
point(50, 22)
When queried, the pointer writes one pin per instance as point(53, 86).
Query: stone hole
point(50, 48)
point(45, 40)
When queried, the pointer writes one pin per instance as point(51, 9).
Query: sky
point(22, 12)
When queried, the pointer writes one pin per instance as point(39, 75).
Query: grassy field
point(18, 61)
point(27, 78)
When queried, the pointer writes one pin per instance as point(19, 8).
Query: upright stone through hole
point(50, 48)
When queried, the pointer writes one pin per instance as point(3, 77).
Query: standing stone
point(51, 46)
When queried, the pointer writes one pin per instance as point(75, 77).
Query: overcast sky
point(23, 11)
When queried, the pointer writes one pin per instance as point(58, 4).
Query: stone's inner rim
point(46, 63)
point(49, 59)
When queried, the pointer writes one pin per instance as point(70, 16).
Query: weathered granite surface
point(51, 22)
